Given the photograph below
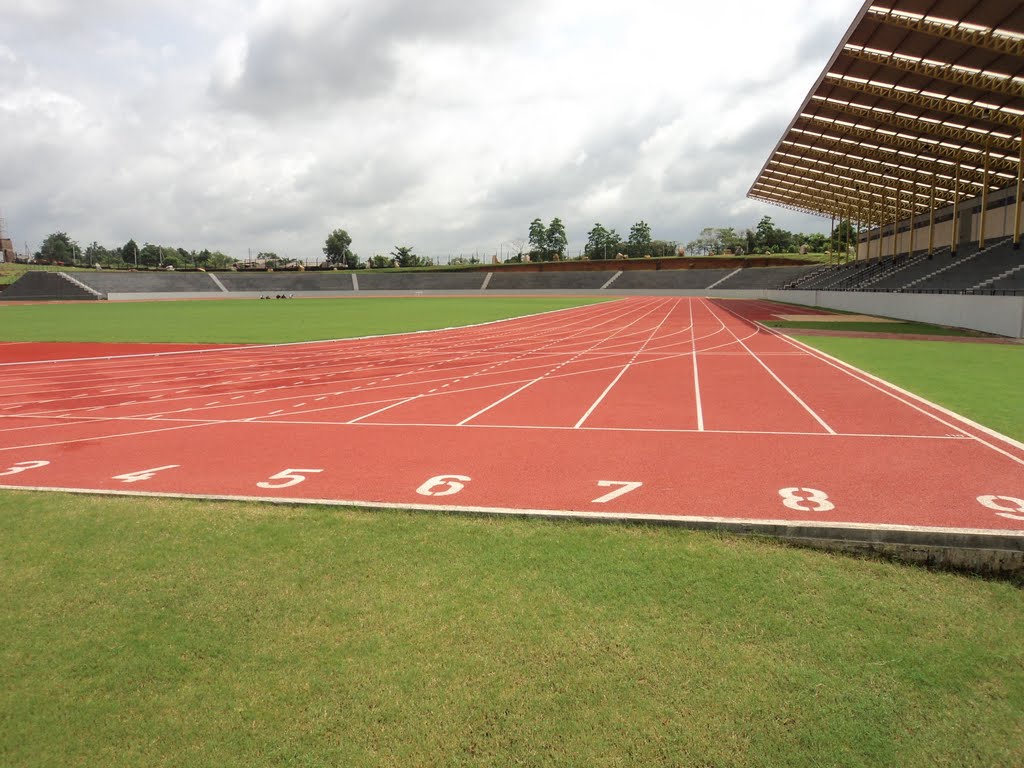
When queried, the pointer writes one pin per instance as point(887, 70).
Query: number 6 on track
point(443, 485)
point(627, 486)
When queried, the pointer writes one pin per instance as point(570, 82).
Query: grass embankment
point(241, 321)
point(979, 381)
point(10, 272)
point(159, 632)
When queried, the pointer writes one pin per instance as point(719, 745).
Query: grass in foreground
point(979, 381)
point(895, 326)
point(241, 321)
point(155, 632)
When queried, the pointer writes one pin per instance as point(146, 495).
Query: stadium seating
point(668, 279)
point(285, 282)
point(420, 281)
point(764, 277)
point(148, 282)
point(558, 281)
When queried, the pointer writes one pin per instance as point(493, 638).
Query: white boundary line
point(1011, 536)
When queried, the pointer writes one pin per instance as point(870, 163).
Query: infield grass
point(245, 321)
point(161, 632)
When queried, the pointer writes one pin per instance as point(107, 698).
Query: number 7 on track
point(626, 487)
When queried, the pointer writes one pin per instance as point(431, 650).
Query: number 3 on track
point(22, 466)
point(816, 501)
point(1005, 506)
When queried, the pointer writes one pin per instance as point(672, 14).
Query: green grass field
point(161, 632)
point(241, 321)
point(155, 632)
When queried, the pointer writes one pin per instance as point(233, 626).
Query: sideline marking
point(1011, 537)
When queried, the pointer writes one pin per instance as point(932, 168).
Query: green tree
point(556, 240)
point(405, 257)
point(640, 239)
point(337, 251)
point(57, 247)
point(130, 253)
point(97, 254)
point(538, 240)
point(597, 243)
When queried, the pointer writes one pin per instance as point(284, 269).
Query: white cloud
point(446, 125)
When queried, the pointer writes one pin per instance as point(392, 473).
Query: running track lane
point(661, 406)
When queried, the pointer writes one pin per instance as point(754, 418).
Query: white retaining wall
point(1002, 315)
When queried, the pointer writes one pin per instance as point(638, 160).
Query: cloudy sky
point(447, 125)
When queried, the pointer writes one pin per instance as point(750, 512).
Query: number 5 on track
point(626, 487)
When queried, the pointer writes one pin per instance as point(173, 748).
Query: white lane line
point(385, 408)
point(696, 374)
point(625, 368)
point(891, 390)
point(783, 384)
point(599, 342)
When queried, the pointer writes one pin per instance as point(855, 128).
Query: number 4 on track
point(625, 487)
point(142, 474)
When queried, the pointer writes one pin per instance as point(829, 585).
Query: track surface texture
point(668, 408)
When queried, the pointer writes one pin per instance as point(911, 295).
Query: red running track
point(664, 407)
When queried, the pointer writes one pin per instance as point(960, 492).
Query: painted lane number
point(625, 486)
point(443, 485)
point(23, 466)
point(797, 498)
point(1004, 506)
point(289, 477)
point(142, 474)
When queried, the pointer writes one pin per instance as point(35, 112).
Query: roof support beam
point(918, 99)
point(899, 167)
point(906, 121)
point(987, 39)
point(985, 81)
point(833, 129)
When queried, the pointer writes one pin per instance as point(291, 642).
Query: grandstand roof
point(914, 88)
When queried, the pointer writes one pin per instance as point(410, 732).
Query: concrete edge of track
point(988, 553)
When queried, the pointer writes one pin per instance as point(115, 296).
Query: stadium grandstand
point(913, 135)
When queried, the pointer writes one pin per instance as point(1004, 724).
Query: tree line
point(766, 238)
point(59, 248)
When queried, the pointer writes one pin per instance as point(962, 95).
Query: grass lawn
point(240, 321)
point(160, 632)
point(895, 326)
point(980, 381)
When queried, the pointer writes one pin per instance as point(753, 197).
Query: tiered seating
point(967, 273)
point(668, 279)
point(420, 281)
point(45, 286)
point(285, 282)
point(762, 277)
point(148, 282)
point(539, 281)
point(1014, 281)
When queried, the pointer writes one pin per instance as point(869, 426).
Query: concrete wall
point(1002, 315)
